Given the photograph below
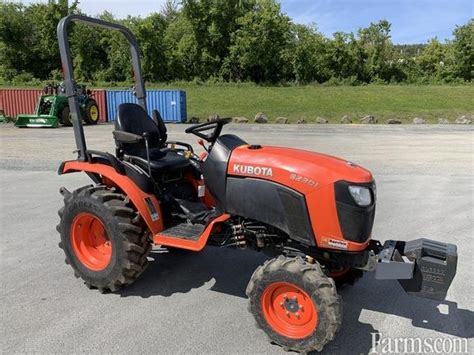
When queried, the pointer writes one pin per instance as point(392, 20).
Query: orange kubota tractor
point(311, 212)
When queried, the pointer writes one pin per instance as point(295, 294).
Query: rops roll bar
point(68, 73)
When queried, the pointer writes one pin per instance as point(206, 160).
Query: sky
point(413, 21)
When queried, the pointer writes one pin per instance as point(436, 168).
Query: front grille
point(356, 222)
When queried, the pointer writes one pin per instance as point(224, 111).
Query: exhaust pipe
point(423, 267)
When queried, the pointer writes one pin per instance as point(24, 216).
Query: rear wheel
point(91, 112)
point(294, 303)
point(66, 116)
point(103, 238)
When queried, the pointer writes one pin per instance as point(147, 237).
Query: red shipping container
point(23, 101)
point(18, 101)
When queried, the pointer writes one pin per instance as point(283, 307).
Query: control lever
point(146, 136)
point(201, 143)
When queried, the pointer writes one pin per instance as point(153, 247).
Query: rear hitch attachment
point(423, 267)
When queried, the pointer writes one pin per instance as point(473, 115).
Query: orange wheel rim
point(339, 272)
point(289, 310)
point(90, 242)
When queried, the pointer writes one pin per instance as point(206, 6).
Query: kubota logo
point(252, 170)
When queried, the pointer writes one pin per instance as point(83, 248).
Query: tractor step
point(184, 231)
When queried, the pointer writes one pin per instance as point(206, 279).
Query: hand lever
point(201, 143)
point(146, 136)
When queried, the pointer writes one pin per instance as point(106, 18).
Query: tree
point(309, 55)
point(258, 49)
point(28, 36)
point(43, 20)
point(150, 34)
point(170, 10)
point(15, 52)
point(183, 55)
point(463, 50)
point(89, 50)
point(117, 65)
point(346, 57)
point(432, 58)
point(213, 22)
point(375, 42)
point(230, 40)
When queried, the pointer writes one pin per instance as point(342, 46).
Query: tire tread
point(132, 233)
point(311, 274)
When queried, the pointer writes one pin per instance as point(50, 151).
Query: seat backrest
point(133, 118)
point(161, 126)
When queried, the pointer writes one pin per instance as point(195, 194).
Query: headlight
point(361, 195)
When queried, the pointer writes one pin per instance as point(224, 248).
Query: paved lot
point(195, 303)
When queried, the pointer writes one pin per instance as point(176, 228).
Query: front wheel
point(295, 304)
point(65, 116)
point(103, 238)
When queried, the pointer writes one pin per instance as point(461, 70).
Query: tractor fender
point(146, 204)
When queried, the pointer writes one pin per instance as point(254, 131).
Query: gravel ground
point(195, 303)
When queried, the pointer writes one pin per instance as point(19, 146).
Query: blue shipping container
point(170, 103)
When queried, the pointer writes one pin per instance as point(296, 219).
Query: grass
point(309, 102)
point(403, 102)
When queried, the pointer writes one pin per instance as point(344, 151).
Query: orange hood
point(301, 170)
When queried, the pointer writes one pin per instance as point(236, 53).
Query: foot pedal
point(184, 231)
point(195, 212)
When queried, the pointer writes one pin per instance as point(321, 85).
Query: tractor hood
point(301, 170)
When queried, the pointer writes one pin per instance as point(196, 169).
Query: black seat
point(134, 119)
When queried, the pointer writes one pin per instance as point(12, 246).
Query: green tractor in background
point(52, 108)
point(3, 117)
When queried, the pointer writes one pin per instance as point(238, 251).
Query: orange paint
point(289, 310)
point(111, 178)
point(312, 174)
point(322, 169)
point(90, 242)
point(325, 222)
point(208, 200)
point(198, 245)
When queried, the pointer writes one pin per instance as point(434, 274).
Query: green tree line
point(224, 40)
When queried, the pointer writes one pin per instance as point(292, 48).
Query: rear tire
point(66, 116)
point(91, 112)
point(103, 237)
point(295, 304)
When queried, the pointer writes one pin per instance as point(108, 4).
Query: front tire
point(66, 116)
point(103, 238)
point(295, 304)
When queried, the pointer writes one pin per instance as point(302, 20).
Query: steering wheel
point(214, 126)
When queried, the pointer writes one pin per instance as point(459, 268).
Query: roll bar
point(68, 73)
